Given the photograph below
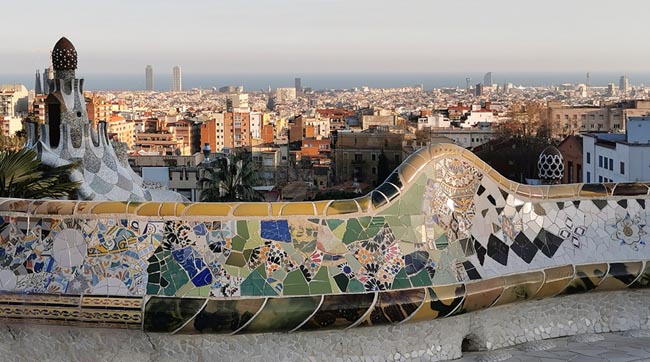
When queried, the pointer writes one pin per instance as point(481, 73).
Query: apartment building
point(617, 157)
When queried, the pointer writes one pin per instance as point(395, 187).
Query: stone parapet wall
point(443, 235)
point(437, 340)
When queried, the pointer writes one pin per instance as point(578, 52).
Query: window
point(588, 157)
point(611, 164)
point(588, 177)
point(622, 168)
point(600, 178)
point(374, 157)
point(605, 161)
point(374, 170)
point(358, 157)
point(570, 178)
point(600, 161)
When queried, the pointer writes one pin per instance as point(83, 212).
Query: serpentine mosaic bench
point(444, 235)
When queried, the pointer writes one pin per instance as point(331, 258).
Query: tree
point(232, 179)
point(22, 175)
point(15, 142)
point(335, 195)
point(383, 168)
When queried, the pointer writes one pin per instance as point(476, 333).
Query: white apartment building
point(617, 157)
point(14, 100)
point(435, 120)
point(257, 118)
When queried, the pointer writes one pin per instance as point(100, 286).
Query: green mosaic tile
point(401, 280)
point(242, 228)
point(255, 285)
point(365, 221)
point(283, 314)
point(320, 284)
point(168, 314)
point(295, 284)
point(442, 242)
point(352, 231)
point(342, 281)
point(334, 223)
point(236, 259)
point(238, 243)
point(355, 286)
point(255, 239)
point(421, 279)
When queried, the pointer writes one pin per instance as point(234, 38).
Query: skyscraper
point(48, 75)
point(298, 85)
point(148, 72)
point(487, 79)
point(624, 84)
point(177, 84)
point(37, 83)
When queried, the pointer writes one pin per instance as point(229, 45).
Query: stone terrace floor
point(610, 347)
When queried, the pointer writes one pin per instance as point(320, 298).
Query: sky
point(330, 36)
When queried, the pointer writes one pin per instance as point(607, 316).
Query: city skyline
point(332, 36)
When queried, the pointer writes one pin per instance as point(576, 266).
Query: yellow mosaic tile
point(61, 208)
point(148, 209)
point(364, 203)
point(482, 294)
point(110, 207)
point(276, 208)
point(207, 209)
point(520, 287)
point(84, 207)
point(407, 172)
point(298, 208)
point(167, 209)
point(620, 275)
point(252, 209)
point(342, 207)
point(556, 279)
point(15, 205)
point(563, 191)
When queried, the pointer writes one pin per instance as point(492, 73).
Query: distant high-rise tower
point(298, 85)
point(177, 82)
point(148, 73)
point(588, 79)
point(467, 82)
point(487, 79)
point(478, 91)
point(37, 83)
point(624, 85)
point(611, 89)
point(48, 75)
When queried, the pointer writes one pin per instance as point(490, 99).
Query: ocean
point(255, 82)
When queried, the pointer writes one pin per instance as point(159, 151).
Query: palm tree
point(22, 175)
point(231, 180)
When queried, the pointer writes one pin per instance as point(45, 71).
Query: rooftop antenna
point(588, 79)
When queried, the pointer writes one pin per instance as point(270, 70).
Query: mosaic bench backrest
point(445, 234)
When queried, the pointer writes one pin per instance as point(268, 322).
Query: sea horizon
point(324, 81)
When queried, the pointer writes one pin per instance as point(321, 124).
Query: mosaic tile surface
point(444, 235)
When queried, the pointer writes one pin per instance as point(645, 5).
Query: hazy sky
point(321, 36)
